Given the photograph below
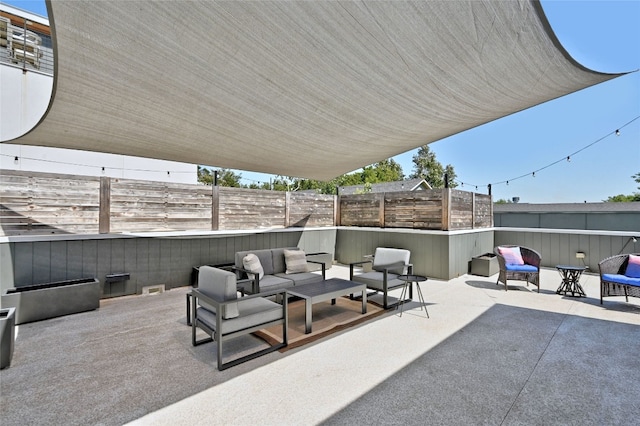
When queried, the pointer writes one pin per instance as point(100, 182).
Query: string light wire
point(565, 158)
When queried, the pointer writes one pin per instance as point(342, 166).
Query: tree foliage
point(226, 177)
point(621, 198)
point(427, 167)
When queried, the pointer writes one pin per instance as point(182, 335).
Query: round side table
point(571, 280)
point(409, 279)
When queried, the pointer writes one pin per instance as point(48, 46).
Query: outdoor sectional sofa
point(619, 276)
point(278, 269)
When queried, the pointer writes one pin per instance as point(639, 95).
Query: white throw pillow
point(252, 264)
point(296, 261)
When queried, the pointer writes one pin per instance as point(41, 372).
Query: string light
point(15, 160)
point(567, 158)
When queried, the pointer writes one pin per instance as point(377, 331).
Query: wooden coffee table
point(326, 290)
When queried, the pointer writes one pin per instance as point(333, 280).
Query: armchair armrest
point(255, 286)
point(352, 264)
point(197, 294)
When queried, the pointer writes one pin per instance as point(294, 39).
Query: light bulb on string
point(568, 158)
point(617, 132)
point(15, 160)
point(533, 174)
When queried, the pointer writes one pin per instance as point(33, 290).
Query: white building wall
point(24, 99)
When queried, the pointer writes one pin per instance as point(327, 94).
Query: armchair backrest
point(219, 285)
point(387, 256)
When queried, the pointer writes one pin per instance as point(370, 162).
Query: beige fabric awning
point(308, 89)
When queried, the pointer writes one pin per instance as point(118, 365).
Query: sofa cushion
point(252, 264)
point(295, 261)
point(621, 279)
point(302, 278)
point(512, 255)
point(220, 285)
point(275, 282)
point(633, 267)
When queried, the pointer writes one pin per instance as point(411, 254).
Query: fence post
point(104, 215)
point(287, 207)
point(473, 210)
point(215, 208)
point(381, 210)
point(336, 210)
point(446, 209)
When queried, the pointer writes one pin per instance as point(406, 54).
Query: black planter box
point(49, 300)
point(7, 335)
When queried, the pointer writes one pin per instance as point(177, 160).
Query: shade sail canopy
point(308, 89)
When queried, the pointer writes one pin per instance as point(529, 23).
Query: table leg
point(421, 298)
point(364, 301)
point(402, 296)
point(189, 308)
point(307, 316)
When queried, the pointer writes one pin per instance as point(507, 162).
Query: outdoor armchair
point(518, 263)
point(620, 276)
point(387, 264)
point(216, 309)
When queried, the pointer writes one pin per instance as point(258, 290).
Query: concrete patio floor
point(485, 356)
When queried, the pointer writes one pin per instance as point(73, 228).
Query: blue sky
point(601, 35)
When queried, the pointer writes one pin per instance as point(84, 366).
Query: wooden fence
point(437, 209)
point(40, 203)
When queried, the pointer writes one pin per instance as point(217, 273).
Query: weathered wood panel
point(483, 211)
point(417, 209)
point(157, 206)
point(311, 210)
point(360, 210)
point(461, 210)
point(241, 208)
point(43, 203)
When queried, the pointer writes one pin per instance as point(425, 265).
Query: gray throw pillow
point(296, 261)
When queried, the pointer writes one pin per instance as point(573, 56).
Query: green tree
point(621, 198)
point(226, 177)
point(427, 167)
point(383, 171)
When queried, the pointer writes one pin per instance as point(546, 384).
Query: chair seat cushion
point(373, 280)
point(253, 312)
point(510, 267)
point(621, 279)
point(301, 278)
point(273, 282)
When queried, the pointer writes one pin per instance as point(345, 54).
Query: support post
point(446, 209)
point(104, 216)
point(215, 208)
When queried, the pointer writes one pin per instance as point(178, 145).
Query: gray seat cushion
point(374, 279)
point(300, 278)
point(273, 282)
point(253, 312)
